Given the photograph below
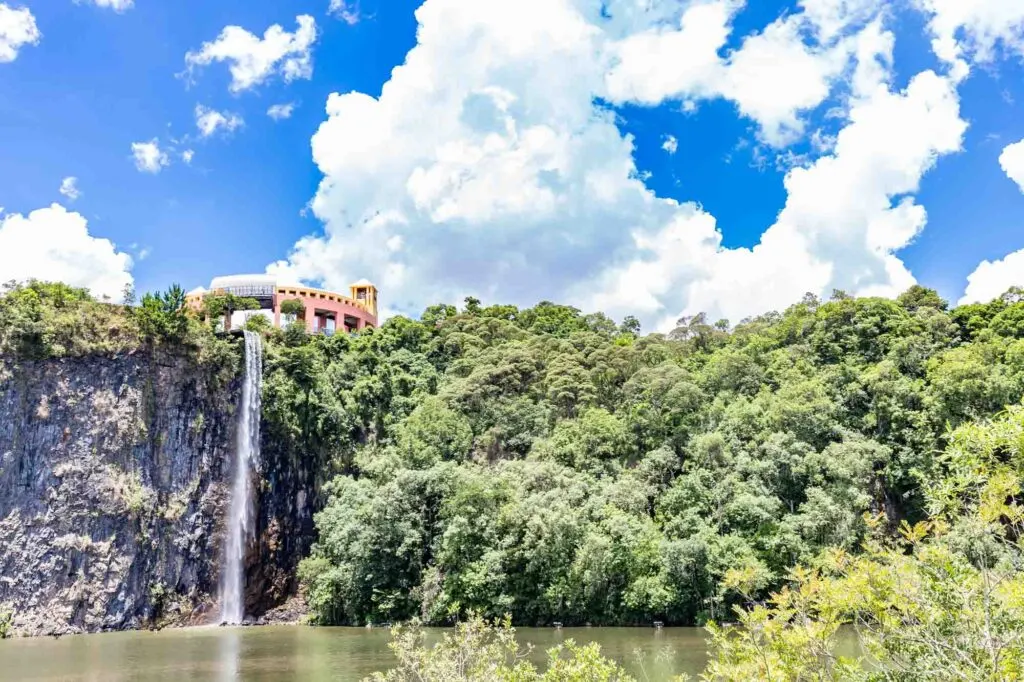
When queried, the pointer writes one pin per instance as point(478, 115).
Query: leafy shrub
point(481, 652)
point(216, 306)
point(6, 621)
point(162, 316)
point(293, 306)
point(259, 324)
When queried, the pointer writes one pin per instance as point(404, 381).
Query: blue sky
point(544, 149)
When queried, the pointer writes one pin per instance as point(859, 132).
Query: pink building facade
point(328, 312)
point(324, 312)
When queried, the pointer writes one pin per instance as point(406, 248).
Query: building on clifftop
point(323, 312)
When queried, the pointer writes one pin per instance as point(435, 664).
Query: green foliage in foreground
point(554, 466)
point(6, 621)
point(944, 600)
point(479, 652)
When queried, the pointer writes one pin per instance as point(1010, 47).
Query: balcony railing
point(251, 291)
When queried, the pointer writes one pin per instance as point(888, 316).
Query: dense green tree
point(630, 325)
point(595, 475)
point(1010, 322)
point(917, 297)
point(217, 306)
point(38, 319)
point(293, 306)
point(433, 433)
point(163, 315)
point(259, 324)
point(592, 475)
point(596, 442)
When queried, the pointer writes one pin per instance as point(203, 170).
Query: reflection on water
point(229, 649)
point(217, 654)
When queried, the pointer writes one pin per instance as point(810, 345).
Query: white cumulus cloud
point(974, 28)
point(187, 156)
point(774, 77)
point(1012, 163)
point(485, 166)
point(54, 244)
point(149, 158)
point(279, 112)
point(670, 144)
point(845, 217)
point(993, 279)
point(209, 121)
point(69, 188)
point(116, 5)
point(252, 60)
point(17, 29)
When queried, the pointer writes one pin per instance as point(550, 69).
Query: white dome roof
point(230, 281)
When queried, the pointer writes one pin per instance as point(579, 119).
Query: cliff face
point(112, 492)
point(284, 527)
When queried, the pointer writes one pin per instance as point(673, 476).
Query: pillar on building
point(310, 318)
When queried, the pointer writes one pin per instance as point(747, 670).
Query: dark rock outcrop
point(112, 490)
point(288, 497)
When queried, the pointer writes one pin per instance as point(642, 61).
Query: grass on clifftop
point(44, 320)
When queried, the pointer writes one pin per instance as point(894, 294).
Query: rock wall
point(284, 526)
point(112, 490)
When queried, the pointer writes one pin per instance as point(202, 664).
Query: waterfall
point(241, 513)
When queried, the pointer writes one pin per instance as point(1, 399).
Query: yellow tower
point(365, 293)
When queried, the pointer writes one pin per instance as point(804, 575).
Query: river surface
point(303, 653)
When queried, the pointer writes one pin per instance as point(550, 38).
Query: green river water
point(302, 653)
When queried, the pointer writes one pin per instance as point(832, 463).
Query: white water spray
point(247, 458)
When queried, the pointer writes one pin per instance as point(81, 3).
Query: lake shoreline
point(272, 653)
point(300, 621)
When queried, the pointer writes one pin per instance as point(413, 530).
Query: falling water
point(247, 458)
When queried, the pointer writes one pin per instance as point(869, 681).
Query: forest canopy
point(560, 467)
